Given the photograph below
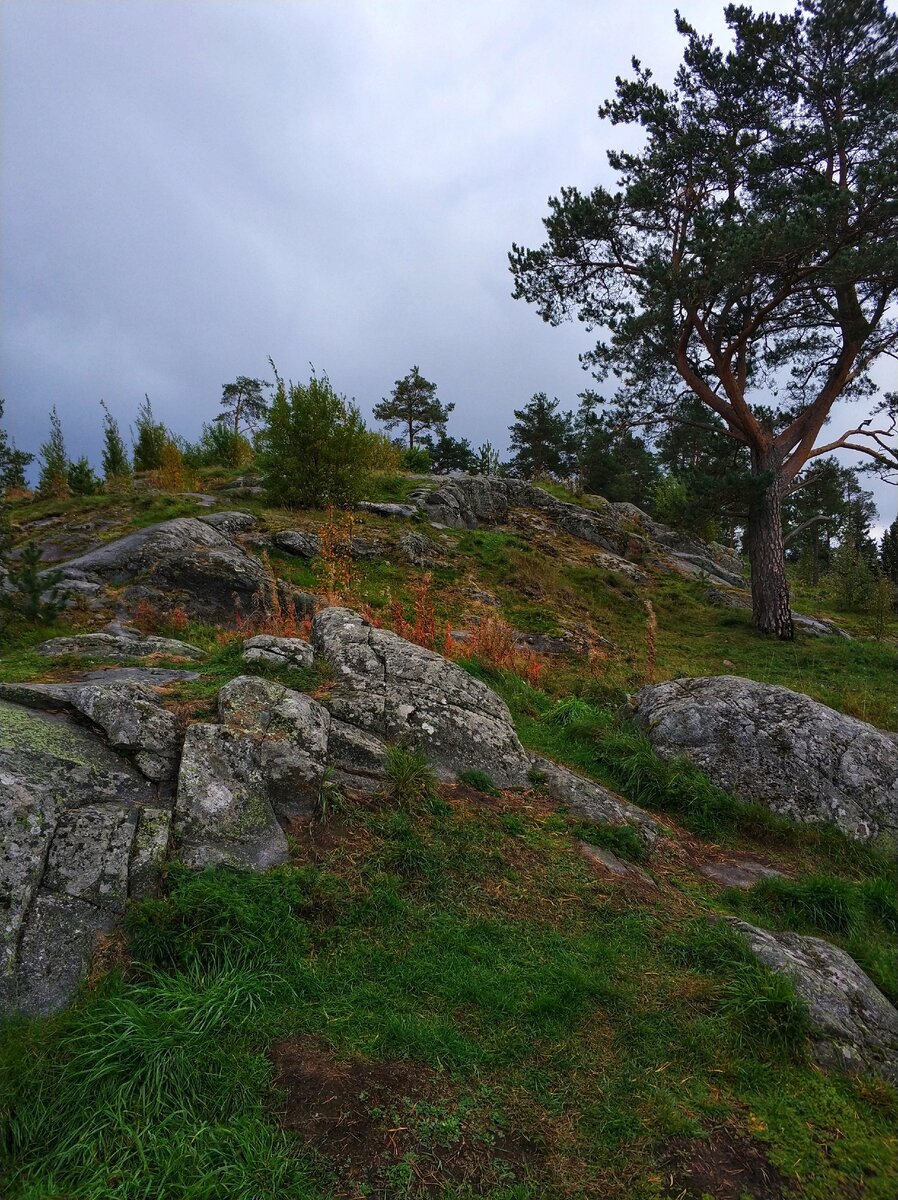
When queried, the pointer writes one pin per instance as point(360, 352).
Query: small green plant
point(763, 1009)
point(410, 782)
point(622, 840)
point(480, 782)
point(331, 798)
point(571, 711)
point(30, 592)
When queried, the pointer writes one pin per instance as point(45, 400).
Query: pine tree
point(888, 552)
point(542, 439)
point(243, 403)
point(413, 405)
point(116, 464)
point(54, 462)
point(82, 479)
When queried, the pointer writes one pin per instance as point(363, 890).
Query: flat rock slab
point(388, 509)
point(742, 874)
point(605, 860)
point(854, 1027)
point(767, 744)
point(589, 799)
point(399, 691)
point(129, 715)
point(107, 645)
point(151, 677)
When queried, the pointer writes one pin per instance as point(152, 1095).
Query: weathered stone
point(305, 544)
point(768, 744)
point(358, 758)
point(90, 853)
point(230, 522)
point(589, 799)
point(60, 937)
point(419, 549)
point(743, 874)
point(222, 813)
point(298, 542)
point(400, 691)
point(388, 509)
point(27, 822)
point(278, 651)
point(149, 852)
point(105, 645)
point(853, 1026)
point(614, 562)
point(129, 714)
point(605, 860)
point(185, 562)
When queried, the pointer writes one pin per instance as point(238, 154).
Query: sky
point(188, 188)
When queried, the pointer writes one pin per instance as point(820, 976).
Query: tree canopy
point(750, 248)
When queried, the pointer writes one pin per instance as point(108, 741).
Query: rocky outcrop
point(306, 544)
point(768, 744)
point(183, 562)
point(129, 716)
point(854, 1028)
point(401, 692)
point(621, 530)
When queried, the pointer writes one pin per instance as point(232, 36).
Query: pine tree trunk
point(771, 612)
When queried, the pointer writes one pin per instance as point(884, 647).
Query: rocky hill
point(470, 844)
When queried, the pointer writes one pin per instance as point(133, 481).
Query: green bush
point(315, 449)
point(480, 782)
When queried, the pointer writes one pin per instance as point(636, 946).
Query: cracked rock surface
point(399, 691)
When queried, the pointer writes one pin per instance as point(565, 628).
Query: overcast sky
point(188, 188)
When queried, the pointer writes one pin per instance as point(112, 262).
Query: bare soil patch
point(726, 1165)
point(394, 1127)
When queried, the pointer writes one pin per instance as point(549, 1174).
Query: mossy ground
point(497, 1018)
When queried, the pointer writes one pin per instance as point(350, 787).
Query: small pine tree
point(82, 479)
point(541, 438)
point(54, 462)
point(30, 592)
point(151, 439)
point(116, 464)
point(486, 460)
point(12, 461)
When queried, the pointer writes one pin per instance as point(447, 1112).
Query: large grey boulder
point(187, 562)
point(267, 758)
point(278, 651)
point(71, 815)
point(854, 1028)
point(399, 691)
point(768, 744)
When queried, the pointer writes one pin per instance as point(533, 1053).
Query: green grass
point(483, 955)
